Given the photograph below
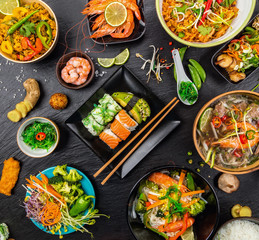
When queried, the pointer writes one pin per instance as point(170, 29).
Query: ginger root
point(23, 108)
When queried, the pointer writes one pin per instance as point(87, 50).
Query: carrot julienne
point(192, 193)
point(191, 203)
point(50, 214)
point(182, 176)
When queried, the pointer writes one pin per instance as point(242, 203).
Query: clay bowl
point(62, 63)
point(241, 170)
point(47, 53)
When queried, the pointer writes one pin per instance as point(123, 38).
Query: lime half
point(188, 234)
point(7, 6)
point(205, 119)
point(106, 62)
point(115, 14)
point(122, 57)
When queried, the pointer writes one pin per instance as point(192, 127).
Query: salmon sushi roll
point(126, 120)
point(110, 138)
point(120, 130)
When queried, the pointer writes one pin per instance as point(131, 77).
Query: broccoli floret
point(73, 176)
point(77, 190)
point(60, 170)
point(197, 208)
point(56, 179)
point(65, 189)
point(57, 186)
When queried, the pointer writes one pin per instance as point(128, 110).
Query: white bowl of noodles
point(54, 41)
point(246, 9)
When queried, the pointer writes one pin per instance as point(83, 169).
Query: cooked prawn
point(104, 30)
point(126, 29)
point(76, 71)
point(235, 142)
point(99, 21)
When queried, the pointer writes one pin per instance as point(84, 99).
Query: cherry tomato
point(216, 121)
point(238, 153)
point(243, 138)
point(40, 136)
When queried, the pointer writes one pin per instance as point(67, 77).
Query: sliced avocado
point(143, 108)
point(135, 113)
point(122, 98)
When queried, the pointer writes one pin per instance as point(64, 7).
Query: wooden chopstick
point(137, 145)
point(142, 130)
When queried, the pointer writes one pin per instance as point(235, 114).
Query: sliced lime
point(115, 14)
point(106, 62)
point(188, 234)
point(205, 119)
point(7, 6)
point(122, 57)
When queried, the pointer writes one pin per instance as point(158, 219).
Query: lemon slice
point(106, 62)
point(122, 57)
point(115, 14)
point(7, 6)
point(188, 234)
point(204, 122)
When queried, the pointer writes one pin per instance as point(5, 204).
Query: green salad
point(39, 135)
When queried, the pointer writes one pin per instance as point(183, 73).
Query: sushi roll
point(110, 138)
point(92, 126)
point(101, 115)
point(111, 106)
point(121, 131)
point(126, 120)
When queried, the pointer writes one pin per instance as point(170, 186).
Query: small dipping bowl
point(26, 149)
point(62, 63)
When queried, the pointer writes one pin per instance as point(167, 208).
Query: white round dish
point(35, 153)
point(246, 9)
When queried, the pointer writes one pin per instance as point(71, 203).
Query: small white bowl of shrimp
point(75, 70)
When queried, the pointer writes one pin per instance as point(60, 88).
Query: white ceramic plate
point(36, 153)
point(246, 9)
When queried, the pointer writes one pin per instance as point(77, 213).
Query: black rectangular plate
point(222, 71)
point(122, 81)
point(139, 30)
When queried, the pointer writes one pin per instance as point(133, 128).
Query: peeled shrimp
point(76, 71)
point(235, 142)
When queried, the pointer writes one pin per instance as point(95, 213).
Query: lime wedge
point(115, 14)
point(205, 119)
point(7, 6)
point(122, 57)
point(106, 62)
point(188, 234)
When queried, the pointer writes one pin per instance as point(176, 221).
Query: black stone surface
point(111, 198)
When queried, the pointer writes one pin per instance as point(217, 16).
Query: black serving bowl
point(205, 223)
point(222, 71)
point(62, 63)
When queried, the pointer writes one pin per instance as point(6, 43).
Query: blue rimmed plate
point(87, 187)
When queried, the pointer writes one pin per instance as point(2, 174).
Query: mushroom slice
point(232, 66)
point(224, 60)
point(228, 183)
point(236, 76)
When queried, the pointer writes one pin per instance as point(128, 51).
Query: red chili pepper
point(243, 139)
point(24, 43)
point(219, 1)
point(238, 153)
point(223, 119)
point(207, 7)
point(29, 43)
point(216, 121)
point(40, 136)
point(148, 204)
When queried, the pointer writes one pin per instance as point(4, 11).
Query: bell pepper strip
point(250, 134)
point(24, 43)
point(40, 136)
point(38, 49)
point(252, 40)
point(185, 217)
point(175, 226)
point(238, 153)
point(12, 29)
point(219, 1)
point(29, 44)
point(243, 138)
point(147, 224)
point(49, 32)
point(216, 121)
point(207, 7)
